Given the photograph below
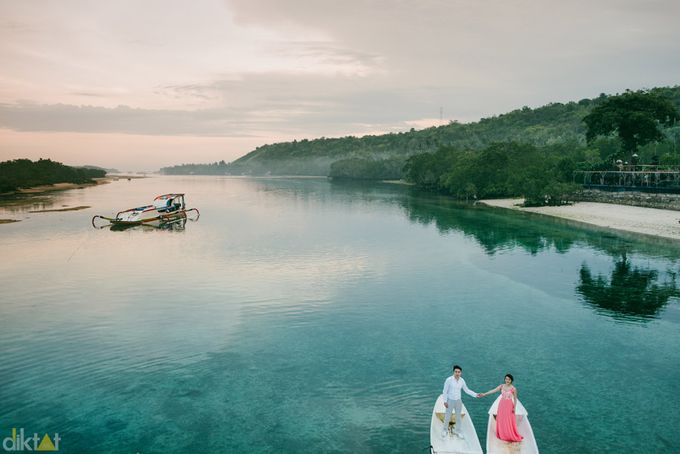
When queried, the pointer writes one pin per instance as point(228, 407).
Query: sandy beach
point(625, 218)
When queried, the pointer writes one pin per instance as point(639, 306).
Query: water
point(305, 316)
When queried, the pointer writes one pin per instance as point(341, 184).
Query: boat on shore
point(165, 208)
point(468, 444)
point(526, 446)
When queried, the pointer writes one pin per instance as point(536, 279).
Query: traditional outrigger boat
point(165, 208)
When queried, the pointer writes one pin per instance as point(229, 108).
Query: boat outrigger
point(165, 208)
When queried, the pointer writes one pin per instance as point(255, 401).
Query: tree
point(24, 173)
point(634, 116)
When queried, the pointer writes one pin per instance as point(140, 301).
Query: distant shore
point(625, 218)
point(59, 186)
point(65, 186)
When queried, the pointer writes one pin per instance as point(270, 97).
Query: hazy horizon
point(139, 87)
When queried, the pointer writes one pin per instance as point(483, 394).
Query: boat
point(178, 224)
point(469, 444)
point(526, 446)
point(165, 209)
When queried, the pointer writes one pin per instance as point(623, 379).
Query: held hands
point(481, 395)
point(446, 405)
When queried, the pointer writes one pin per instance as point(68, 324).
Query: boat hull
point(150, 217)
point(526, 446)
point(452, 444)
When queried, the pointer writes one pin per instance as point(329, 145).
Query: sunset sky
point(137, 85)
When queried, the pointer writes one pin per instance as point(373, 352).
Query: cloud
point(251, 105)
point(306, 68)
point(545, 49)
point(121, 119)
point(327, 57)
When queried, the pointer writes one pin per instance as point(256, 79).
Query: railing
point(631, 177)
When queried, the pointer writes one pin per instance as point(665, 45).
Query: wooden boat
point(165, 208)
point(496, 446)
point(469, 444)
point(177, 224)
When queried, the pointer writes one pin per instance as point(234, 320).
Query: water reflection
point(175, 225)
point(497, 229)
point(23, 203)
point(338, 191)
point(492, 229)
point(631, 291)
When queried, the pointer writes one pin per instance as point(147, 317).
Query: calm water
point(305, 316)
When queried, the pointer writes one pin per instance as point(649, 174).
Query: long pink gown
point(506, 424)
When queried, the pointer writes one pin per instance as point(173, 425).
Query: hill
point(378, 156)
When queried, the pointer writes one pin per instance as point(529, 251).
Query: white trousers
point(456, 405)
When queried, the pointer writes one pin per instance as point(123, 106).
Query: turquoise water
point(306, 316)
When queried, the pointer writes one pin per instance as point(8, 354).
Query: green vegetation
point(527, 152)
point(217, 168)
point(554, 123)
point(542, 175)
point(367, 169)
point(24, 173)
point(635, 117)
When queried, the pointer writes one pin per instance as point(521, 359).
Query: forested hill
point(552, 124)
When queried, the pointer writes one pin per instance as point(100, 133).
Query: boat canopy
point(167, 200)
point(168, 196)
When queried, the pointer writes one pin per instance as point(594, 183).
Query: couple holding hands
point(506, 425)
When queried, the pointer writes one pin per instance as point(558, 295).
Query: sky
point(138, 85)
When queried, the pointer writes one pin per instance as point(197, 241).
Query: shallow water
point(298, 315)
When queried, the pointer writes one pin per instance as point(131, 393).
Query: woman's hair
point(512, 379)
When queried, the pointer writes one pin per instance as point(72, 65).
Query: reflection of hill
point(492, 229)
point(631, 290)
point(345, 192)
point(499, 229)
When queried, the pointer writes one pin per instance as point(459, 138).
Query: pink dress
point(506, 424)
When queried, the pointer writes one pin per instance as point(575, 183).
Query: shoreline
point(66, 186)
point(58, 187)
point(653, 222)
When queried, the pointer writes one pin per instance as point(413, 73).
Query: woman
point(506, 424)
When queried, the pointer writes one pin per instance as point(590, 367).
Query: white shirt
point(452, 389)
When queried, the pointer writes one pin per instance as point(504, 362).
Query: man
point(452, 399)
